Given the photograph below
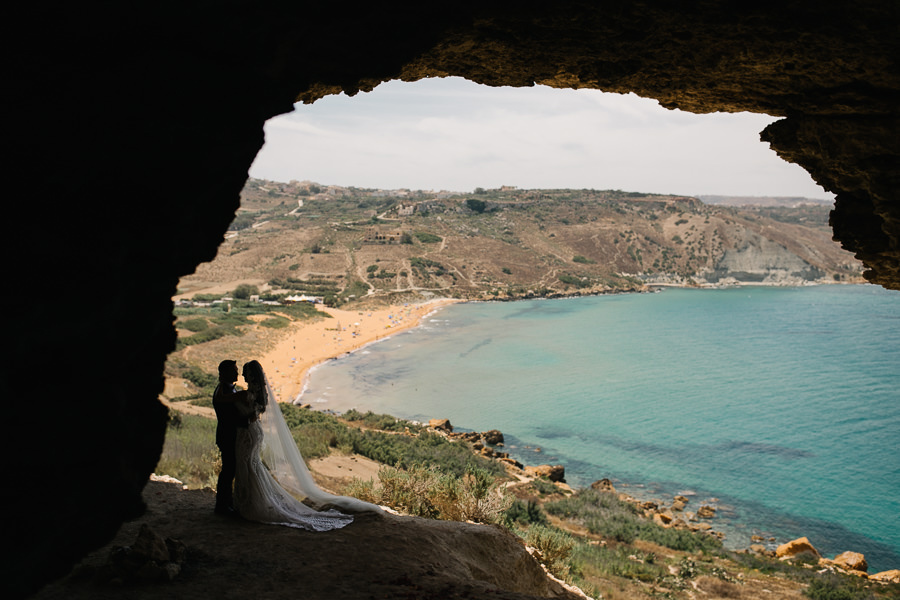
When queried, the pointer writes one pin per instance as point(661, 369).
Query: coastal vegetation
point(190, 453)
point(435, 493)
point(210, 319)
point(603, 513)
point(591, 538)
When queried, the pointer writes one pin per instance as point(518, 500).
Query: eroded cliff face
point(161, 106)
point(764, 263)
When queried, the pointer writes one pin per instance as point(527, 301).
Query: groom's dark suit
point(229, 419)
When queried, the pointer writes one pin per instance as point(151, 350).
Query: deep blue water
point(782, 404)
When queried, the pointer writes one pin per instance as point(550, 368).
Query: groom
point(229, 419)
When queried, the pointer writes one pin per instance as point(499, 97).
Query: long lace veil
point(280, 454)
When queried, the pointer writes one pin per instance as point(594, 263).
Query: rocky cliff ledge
point(374, 557)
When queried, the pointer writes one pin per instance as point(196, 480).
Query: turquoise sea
point(781, 406)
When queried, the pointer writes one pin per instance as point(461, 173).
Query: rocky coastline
point(675, 515)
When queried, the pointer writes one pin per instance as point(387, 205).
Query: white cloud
point(453, 134)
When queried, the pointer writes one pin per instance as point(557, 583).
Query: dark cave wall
point(857, 157)
point(132, 129)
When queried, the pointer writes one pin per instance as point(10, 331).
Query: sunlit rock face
point(131, 131)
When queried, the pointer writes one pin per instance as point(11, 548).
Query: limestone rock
point(150, 546)
point(440, 424)
point(795, 547)
point(553, 473)
point(853, 561)
point(512, 462)
point(150, 558)
point(468, 436)
point(706, 512)
point(492, 437)
point(664, 519)
point(892, 576)
point(603, 485)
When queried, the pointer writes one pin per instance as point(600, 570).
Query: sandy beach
point(288, 363)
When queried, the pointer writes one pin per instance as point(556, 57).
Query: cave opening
point(337, 142)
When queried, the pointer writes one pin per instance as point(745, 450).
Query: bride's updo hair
point(256, 384)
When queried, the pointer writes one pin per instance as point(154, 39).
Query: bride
point(271, 471)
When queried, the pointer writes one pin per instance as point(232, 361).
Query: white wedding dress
point(271, 475)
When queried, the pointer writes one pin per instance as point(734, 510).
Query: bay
point(779, 406)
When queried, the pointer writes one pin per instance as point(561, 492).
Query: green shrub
point(424, 263)
point(544, 486)
point(524, 513)
point(836, 587)
point(427, 238)
point(242, 220)
point(195, 325)
point(602, 513)
point(387, 448)
point(476, 205)
point(201, 400)
point(426, 491)
point(244, 291)
point(554, 547)
point(573, 280)
point(232, 319)
point(356, 288)
point(381, 422)
point(806, 558)
point(206, 336)
point(581, 259)
point(427, 448)
point(598, 561)
point(200, 378)
point(275, 323)
point(189, 452)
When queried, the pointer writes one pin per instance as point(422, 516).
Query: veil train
point(280, 454)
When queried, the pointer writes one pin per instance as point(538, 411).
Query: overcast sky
point(451, 134)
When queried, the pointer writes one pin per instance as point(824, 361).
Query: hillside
point(348, 243)
point(776, 201)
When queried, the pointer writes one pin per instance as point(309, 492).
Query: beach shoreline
point(338, 333)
